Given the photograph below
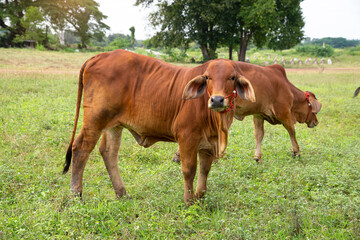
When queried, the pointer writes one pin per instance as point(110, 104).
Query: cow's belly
point(148, 138)
point(146, 130)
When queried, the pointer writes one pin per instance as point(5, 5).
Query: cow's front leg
point(259, 135)
point(205, 160)
point(295, 146)
point(188, 152)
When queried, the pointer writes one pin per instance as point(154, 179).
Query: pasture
point(316, 196)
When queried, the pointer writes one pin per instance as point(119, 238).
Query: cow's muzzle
point(313, 124)
point(217, 103)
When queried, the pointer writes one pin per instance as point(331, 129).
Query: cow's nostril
point(217, 101)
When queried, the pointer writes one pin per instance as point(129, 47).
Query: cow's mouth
point(313, 124)
point(217, 109)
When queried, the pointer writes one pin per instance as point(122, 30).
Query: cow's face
point(311, 111)
point(220, 80)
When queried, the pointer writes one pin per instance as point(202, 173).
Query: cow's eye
point(233, 78)
point(206, 78)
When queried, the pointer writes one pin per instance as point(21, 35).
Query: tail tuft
point(68, 160)
point(357, 91)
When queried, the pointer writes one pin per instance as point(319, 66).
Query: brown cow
point(148, 97)
point(278, 101)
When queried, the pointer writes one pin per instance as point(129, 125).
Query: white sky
point(323, 18)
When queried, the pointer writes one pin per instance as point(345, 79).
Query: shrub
point(316, 50)
point(40, 47)
point(68, 49)
point(175, 55)
point(354, 51)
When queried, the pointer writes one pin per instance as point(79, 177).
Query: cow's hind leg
point(81, 149)
point(205, 162)
point(259, 135)
point(109, 149)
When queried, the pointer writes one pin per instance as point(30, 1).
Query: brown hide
point(278, 101)
point(150, 98)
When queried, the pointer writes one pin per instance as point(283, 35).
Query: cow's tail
point(78, 103)
point(356, 91)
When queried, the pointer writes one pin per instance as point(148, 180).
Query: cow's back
point(140, 93)
point(271, 86)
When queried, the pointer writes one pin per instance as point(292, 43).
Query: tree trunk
point(212, 53)
point(205, 52)
point(242, 47)
point(230, 51)
point(242, 52)
point(62, 37)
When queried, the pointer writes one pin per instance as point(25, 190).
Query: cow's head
point(220, 80)
point(313, 106)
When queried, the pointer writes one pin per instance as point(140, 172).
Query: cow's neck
point(300, 107)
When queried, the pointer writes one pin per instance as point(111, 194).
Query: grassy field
point(316, 196)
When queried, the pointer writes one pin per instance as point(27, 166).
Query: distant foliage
point(334, 42)
point(119, 43)
point(354, 51)
point(316, 50)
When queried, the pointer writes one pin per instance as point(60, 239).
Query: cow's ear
point(315, 104)
point(245, 89)
point(195, 88)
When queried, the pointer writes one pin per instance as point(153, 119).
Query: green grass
point(316, 196)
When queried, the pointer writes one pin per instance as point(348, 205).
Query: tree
point(132, 30)
point(11, 13)
point(82, 15)
point(85, 18)
point(185, 21)
point(277, 24)
point(33, 22)
point(55, 16)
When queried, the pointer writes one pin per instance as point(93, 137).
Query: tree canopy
point(18, 19)
point(235, 23)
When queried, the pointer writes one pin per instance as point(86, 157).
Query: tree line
point(334, 42)
point(276, 24)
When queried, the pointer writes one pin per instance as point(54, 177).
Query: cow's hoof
point(126, 197)
point(258, 160)
point(176, 158)
point(295, 154)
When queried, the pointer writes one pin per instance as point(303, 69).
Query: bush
point(354, 51)
point(40, 47)
point(68, 49)
point(316, 50)
point(175, 55)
